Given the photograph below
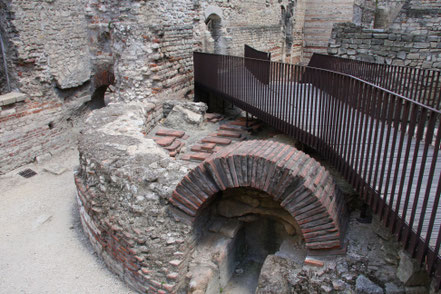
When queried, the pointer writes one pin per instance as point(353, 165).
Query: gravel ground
point(42, 246)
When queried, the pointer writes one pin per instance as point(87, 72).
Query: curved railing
point(384, 144)
point(419, 84)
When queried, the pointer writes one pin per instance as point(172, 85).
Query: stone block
point(409, 271)
point(365, 286)
point(11, 98)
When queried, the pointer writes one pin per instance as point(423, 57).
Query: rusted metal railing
point(260, 74)
point(421, 85)
point(384, 144)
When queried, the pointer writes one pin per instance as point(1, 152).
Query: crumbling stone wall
point(48, 61)
point(413, 39)
point(320, 16)
point(387, 46)
point(58, 52)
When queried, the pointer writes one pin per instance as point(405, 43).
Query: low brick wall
point(29, 129)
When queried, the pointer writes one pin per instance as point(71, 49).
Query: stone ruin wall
point(49, 70)
point(60, 51)
point(412, 39)
point(130, 190)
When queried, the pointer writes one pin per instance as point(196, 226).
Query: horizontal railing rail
point(385, 144)
point(422, 85)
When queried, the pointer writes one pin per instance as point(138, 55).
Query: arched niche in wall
point(213, 21)
point(101, 82)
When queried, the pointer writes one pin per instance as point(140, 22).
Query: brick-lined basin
point(148, 210)
point(298, 182)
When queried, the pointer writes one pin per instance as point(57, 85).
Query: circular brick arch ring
point(298, 182)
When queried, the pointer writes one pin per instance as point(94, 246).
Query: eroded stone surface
point(125, 184)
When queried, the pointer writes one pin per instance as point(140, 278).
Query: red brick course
point(165, 142)
point(301, 185)
point(170, 133)
point(216, 140)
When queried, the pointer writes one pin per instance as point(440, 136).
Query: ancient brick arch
point(298, 182)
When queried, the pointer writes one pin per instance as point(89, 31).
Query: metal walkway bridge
point(385, 144)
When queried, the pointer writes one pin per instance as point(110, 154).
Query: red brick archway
point(298, 182)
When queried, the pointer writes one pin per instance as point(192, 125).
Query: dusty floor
point(42, 247)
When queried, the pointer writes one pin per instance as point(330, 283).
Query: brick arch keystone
point(298, 182)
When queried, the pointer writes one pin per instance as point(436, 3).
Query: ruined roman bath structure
point(174, 198)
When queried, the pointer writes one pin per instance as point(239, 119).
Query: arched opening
point(301, 202)
point(97, 101)
point(240, 229)
point(214, 26)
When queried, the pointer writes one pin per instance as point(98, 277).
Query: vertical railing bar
point(279, 94)
point(438, 240)
point(320, 113)
point(368, 163)
point(295, 99)
point(301, 115)
point(285, 112)
point(401, 81)
point(414, 85)
point(430, 89)
point(410, 134)
point(334, 110)
point(379, 175)
point(419, 135)
point(362, 157)
point(376, 153)
point(310, 103)
point(361, 131)
point(429, 140)
point(289, 100)
point(352, 105)
point(329, 105)
point(422, 170)
point(407, 81)
point(420, 85)
point(298, 93)
point(316, 100)
point(274, 94)
point(395, 122)
point(403, 127)
point(346, 131)
point(434, 212)
point(358, 90)
point(288, 108)
point(437, 99)
point(337, 118)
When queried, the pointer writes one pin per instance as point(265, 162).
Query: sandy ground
point(42, 245)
